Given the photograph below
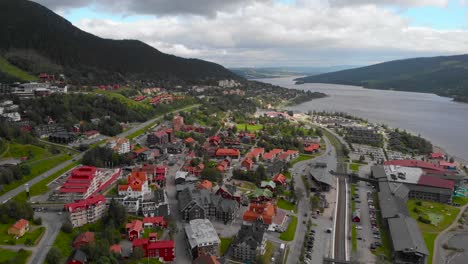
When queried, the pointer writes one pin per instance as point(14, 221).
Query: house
point(86, 211)
point(289, 155)
point(155, 221)
point(270, 185)
point(180, 177)
point(78, 257)
point(312, 148)
point(228, 191)
point(214, 140)
point(19, 228)
point(280, 180)
point(83, 239)
point(264, 212)
point(119, 145)
point(137, 185)
point(138, 152)
point(225, 153)
point(250, 242)
point(261, 195)
point(356, 217)
point(134, 229)
point(91, 134)
point(158, 138)
point(448, 165)
point(437, 155)
point(194, 170)
point(247, 163)
point(116, 249)
point(202, 238)
point(272, 155)
point(160, 177)
point(256, 153)
point(206, 184)
point(223, 165)
point(178, 123)
point(189, 140)
point(204, 259)
point(163, 249)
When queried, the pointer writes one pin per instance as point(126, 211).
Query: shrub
point(37, 221)
point(416, 210)
point(419, 203)
point(67, 227)
point(424, 219)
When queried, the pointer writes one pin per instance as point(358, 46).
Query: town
point(215, 173)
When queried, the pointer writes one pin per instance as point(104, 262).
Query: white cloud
point(406, 3)
point(265, 33)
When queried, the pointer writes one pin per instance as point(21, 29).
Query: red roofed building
point(193, 170)
point(312, 148)
point(189, 140)
point(448, 165)
point(260, 211)
point(256, 153)
point(156, 249)
point(204, 259)
point(134, 229)
point(137, 185)
point(232, 153)
point(280, 179)
point(247, 163)
point(86, 211)
point(223, 165)
point(436, 182)
point(424, 165)
point(272, 155)
point(160, 177)
point(206, 184)
point(214, 140)
point(178, 123)
point(92, 134)
point(154, 221)
point(116, 248)
point(288, 155)
point(140, 98)
point(83, 239)
point(436, 155)
point(19, 228)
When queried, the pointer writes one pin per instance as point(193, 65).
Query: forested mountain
point(35, 39)
point(444, 75)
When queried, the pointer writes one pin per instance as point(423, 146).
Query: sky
point(259, 33)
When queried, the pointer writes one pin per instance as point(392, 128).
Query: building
point(92, 134)
point(427, 167)
point(201, 203)
point(406, 238)
point(261, 195)
point(86, 211)
point(180, 177)
point(119, 145)
point(19, 228)
point(228, 191)
point(158, 138)
point(154, 248)
point(151, 204)
point(203, 259)
point(280, 180)
point(288, 155)
point(78, 257)
point(205, 184)
point(62, 137)
point(228, 153)
point(270, 185)
point(83, 239)
point(134, 229)
point(263, 212)
point(247, 163)
point(312, 148)
point(137, 185)
point(250, 242)
point(86, 181)
point(116, 249)
point(178, 123)
point(202, 238)
point(256, 153)
point(363, 135)
point(155, 221)
point(272, 155)
point(223, 165)
point(321, 179)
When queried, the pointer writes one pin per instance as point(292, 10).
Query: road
point(299, 169)
point(12, 193)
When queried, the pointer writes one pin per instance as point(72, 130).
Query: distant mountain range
point(444, 75)
point(34, 39)
point(276, 72)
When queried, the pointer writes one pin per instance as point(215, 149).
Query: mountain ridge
point(43, 41)
point(441, 75)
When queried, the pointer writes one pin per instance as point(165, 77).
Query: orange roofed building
point(260, 211)
point(19, 228)
point(137, 185)
point(206, 184)
point(224, 152)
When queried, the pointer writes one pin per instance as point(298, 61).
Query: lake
point(438, 119)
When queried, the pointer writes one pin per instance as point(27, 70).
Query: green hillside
point(444, 75)
point(14, 72)
point(44, 41)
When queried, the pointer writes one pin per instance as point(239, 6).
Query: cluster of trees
point(14, 210)
point(212, 174)
point(105, 157)
point(13, 173)
point(407, 143)
point(256, 177)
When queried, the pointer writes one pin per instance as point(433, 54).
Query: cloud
point(266, 33)
point(403, 3)
point(152, 7)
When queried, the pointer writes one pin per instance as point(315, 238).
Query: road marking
point(334, 219)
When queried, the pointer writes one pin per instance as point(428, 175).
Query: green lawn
point(269, 250)
point(12, 70)
point(250, 128)
point(283, 204)
point(147, 231)
point(16, 150)
point(460, 200)
point(37, 167)
point(354, 167)
point(41, 187)
point(225, 242)
point(64, 243)
point(19, 257)
point(33, 235)
point(302, 157)
point(441, 215)
point(354, 238)
point(289, 234)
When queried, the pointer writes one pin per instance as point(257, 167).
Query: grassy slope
point(225, 242)
point(286, 205)
point(289, 234)
point(14, 71)
point(429, 231)
point(19, 257)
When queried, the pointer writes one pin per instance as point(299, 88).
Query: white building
point(119, 145)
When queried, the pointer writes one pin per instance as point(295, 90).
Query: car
point(377, 236)
point(328, 230)
point(314, 217)
point(372, 247)
point(312, 231)
point(305, 215)
point(359, 238)
point(359, 227)
point(377, 244)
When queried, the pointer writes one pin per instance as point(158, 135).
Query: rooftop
point(201, 232)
